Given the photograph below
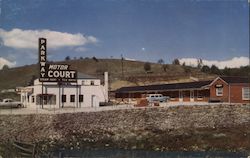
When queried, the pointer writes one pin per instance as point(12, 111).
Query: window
point(219, 91)
point(246, 93)
point(33, 99)
point(199, 95)
point(63, 98)
point(72, 98)
point(92, 83)
point(80, 98)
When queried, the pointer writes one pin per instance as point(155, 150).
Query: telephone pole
point(122, 66)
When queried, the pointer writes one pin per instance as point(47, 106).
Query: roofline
point(240, 83)
point(200, 88)
point(216, 80)
point(164, 90)
point(205, 87)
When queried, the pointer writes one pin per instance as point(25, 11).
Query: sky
point(216, 31)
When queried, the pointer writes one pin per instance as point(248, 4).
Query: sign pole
point(42, 95)
point(42, 48)
point(59, 87)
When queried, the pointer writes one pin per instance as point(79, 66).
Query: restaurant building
point(87, 91)
point(221, 89)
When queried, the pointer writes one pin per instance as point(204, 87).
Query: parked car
point(9, 103)
point(157, 97)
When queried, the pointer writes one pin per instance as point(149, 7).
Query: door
point(181, 96)
point(92, 100)
point(191, 95)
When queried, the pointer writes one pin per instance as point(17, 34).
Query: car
point(9, 103)
point(157, 98)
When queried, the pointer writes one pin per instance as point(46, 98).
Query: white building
point(86, 92)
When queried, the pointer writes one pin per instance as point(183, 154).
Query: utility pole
point(122, 66)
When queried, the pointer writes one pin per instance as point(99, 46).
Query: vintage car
point(9, 103)
point(157, 98)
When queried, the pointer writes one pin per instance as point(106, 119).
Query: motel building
point(87, 91)
point(221, 89)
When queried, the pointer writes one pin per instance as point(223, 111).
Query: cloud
point(6, 62)
point(81, 49)
point(235, 62)
point(28, 39)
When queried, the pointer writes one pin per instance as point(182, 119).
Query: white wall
point(93, 94)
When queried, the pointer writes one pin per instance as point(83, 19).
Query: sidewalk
point(32, 110)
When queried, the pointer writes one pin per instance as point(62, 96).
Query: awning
point(45, 94)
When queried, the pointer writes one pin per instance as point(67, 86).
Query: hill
point(121, 72)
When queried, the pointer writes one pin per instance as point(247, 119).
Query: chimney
point(106, 86)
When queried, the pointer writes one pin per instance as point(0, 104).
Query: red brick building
point(221, 89)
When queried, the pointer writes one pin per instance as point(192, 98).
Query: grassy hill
point(132, 73)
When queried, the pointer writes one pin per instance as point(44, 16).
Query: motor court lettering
point(58, 73)
point(61, 71)
point(61, 74)
point(58, 67)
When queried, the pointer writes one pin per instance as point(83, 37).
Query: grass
point(134, 73)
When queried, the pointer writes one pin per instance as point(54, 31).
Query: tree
point(215, 70)
point(205, 69)
point(95, 59)
point(199, 63)
point(31, 82)
point(165, 67)
point(160, 61)
point(5, 67)
point(176, 62)
point(67, 58)
point(147, 66)
point(227, 71)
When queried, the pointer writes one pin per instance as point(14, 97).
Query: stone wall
point(212, 127)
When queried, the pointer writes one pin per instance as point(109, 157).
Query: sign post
point(42, 62)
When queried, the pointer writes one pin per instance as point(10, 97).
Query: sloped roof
point(162, 87)
point(235, 79)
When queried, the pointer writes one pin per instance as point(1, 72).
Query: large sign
point(53, 72)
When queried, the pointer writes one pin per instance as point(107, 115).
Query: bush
point(176, 62)
point(205, 69)
point(147, 66)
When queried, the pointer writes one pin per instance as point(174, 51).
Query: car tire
point(19, 105)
